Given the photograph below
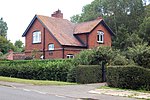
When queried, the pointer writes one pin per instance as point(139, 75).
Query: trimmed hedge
point(85, 74)
point(40, 69)
point(130, 77)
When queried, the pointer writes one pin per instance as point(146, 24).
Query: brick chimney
point(57, 14)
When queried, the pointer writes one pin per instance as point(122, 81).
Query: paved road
point(67, 92)
point(9, 93)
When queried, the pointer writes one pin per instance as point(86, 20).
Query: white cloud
point(19, 13)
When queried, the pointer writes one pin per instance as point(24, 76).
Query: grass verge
point(34, 82)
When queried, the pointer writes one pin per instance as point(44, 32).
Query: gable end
point(31, 23)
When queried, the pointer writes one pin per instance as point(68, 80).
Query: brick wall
point(92, 39)
point(57, 53)
point(58, 50)
point(15, 55)
point(72, 50)
point(82, 37)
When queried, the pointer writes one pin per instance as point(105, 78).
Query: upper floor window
point(36, 37)
point(100, 36)
point(70, 56)
point(51, 46)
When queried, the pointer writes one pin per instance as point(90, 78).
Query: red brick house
point(54, 37)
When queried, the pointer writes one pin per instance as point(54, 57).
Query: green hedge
point(40, 69)
point(130, 77)
point(85, 74)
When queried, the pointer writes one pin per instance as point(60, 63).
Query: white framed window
point(100, 36)
point(51, 46)
point(37, 37)
point(70, 56)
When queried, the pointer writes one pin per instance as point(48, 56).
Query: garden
point(130, 69)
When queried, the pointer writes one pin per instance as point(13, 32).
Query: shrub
point(140, 54)
point(94, 56)
point(131, 77)
point(86, 74)
point(120, 60)
point(36, 69)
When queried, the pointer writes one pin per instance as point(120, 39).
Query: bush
point(120, 60)
point(94, 56)
point(140, 54)
point(86, 74)
point(130, 77)
point(36, 69)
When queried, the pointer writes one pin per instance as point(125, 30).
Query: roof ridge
point(91, 21)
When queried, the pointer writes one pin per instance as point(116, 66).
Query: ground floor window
point(70, 56)
point(51, 46)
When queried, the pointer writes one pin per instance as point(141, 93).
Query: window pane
point(97, 37)
point(100, 36)
point(70, 56)
point(51, 47)
point(36, 37)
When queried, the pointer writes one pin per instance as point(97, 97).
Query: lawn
point(34, 82)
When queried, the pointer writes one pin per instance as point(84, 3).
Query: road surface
point(17, 91)
point(9, 93)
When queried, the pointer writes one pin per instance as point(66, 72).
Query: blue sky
point(18, 13)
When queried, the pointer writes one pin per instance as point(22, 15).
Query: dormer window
point(100, 36)
point(51, 46)
point(37, 37)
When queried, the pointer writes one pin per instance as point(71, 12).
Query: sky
point(19, 13)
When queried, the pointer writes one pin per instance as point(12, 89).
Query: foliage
point(86, 74)
point(72, 74)
point(140, 55)
point(1, 54)
point(130, 77)
point(145, 30)
point(42, 70)
point(94, 56)
point(19, 46)
point(35, 52)
point(125, 12)
point(120, 60)
point(124, 39)
point(123, 16)
point(147, 10)
point(3, 28)
point(5, 45)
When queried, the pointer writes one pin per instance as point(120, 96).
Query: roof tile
point(62, 30)
point(86, 26)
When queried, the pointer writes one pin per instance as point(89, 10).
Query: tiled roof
point(86, 27)
point(61, 29)
point(64, 30)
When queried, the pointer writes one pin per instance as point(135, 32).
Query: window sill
point(101, 42)
point(36, 42)
point(50, 49)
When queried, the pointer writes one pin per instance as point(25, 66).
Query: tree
point(140, 54)
point(123, 16)
point(145, 30)
point(19, 46)
point(3, 28)
point(5, 45)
